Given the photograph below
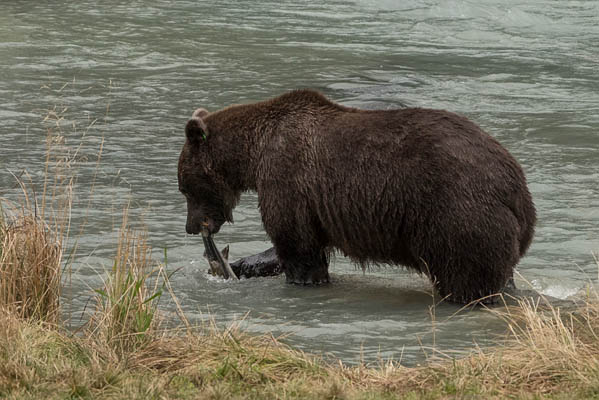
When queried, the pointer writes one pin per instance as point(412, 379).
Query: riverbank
point(125, 352)
point(548, 355)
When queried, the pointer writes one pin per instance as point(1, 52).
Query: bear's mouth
point(219, 265)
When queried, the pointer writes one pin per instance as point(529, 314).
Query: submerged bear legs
point(484, 287)
point(306, 269)
point(478, 262)
point(298, 238)
point(303, 261)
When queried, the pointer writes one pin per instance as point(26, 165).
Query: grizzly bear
point(422, 188)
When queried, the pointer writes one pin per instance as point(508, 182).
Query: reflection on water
point(525, 71)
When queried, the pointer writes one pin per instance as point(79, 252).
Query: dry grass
point(548, 352)
point(32, 234)
point(34, 230)
point(30, 267)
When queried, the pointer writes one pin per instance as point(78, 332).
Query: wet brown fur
point(427, 189)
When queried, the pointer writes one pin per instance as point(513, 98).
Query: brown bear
point(423, 188)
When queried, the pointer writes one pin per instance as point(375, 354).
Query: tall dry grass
point(35, 222)
point(548, 351)
point(34, 230)
point(30, 266)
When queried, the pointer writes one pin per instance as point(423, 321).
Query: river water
point(129, 74)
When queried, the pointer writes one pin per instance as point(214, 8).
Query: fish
point(218, 261)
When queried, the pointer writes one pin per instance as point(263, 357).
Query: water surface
point(526, 71)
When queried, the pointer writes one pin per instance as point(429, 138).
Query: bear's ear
point(196, 130)
point(200, 113)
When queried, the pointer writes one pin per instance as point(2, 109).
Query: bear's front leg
point(296, 233)
point(305, 269)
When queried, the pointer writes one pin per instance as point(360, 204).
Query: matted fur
point(423, 188)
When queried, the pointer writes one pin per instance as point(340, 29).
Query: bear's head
point(202, 178)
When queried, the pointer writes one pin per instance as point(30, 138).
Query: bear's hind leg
point(476, 263)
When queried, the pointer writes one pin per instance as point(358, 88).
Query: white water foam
point(558, 291)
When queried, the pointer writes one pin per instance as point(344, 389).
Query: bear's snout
point(195, 228)
point(191, 229)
